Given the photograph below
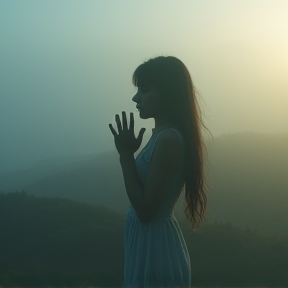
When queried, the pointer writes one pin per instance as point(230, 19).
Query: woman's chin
point(142, 115)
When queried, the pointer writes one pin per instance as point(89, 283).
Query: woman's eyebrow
point(143, 85)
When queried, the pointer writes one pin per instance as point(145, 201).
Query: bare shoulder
point(169, 133)
point(166, 154)
point(167, 140)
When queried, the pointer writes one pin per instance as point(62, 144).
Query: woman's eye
point(143, 89)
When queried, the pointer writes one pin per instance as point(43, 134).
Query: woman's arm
point(147, 200)
point(127, 145)
point(134, 187)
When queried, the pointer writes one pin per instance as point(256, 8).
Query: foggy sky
point(66, 68)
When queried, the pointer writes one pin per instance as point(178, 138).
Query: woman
point(155, 251)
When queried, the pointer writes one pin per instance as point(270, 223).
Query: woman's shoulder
point(170, 134)
point(170, 137)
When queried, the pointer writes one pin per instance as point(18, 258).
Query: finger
point(131, 127)
point(112, 129)
point(117, 118)
point(124, 120)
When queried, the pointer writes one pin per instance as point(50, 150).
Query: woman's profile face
point(148, 100)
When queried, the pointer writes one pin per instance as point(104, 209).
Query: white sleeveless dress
point(156, 254)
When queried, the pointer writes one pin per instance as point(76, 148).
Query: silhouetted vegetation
point(59, 242)
point(50, 241)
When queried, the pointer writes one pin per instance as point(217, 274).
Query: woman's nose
point(135, 98)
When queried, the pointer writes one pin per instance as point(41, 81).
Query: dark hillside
point(247, 176)
point(249, 181)
point(59, 242)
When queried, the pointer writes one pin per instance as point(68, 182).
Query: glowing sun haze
point(66, 68)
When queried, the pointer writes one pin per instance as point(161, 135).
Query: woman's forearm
point(134, 187)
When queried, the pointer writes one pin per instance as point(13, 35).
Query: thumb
point(141, 133)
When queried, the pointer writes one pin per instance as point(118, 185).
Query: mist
point(66, 69)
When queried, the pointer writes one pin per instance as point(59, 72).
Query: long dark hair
point(173, 81)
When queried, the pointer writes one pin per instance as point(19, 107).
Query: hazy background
point(66, 67)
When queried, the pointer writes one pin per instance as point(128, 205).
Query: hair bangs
point(145, 75)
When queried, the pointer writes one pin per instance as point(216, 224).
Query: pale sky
point(66, 67)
